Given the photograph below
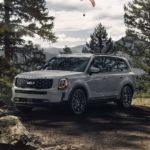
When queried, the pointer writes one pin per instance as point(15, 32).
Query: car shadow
point(105, 124)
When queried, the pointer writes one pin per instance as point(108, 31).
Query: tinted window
point(98, 63)
point(110, 64)
point(105, 64)
point(122, 65)
point(67, 64)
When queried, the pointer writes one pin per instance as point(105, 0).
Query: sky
point(72, 28)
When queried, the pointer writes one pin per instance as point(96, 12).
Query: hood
point(47, 74)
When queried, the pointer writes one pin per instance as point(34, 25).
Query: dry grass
point(141, 101)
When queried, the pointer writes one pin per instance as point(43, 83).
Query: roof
point(87, 55)
point(76, 55)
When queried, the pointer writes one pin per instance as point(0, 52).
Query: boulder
point(2, 112)
point(12, 131)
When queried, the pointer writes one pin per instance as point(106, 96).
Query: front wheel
point(78, 102)
point(126, 97)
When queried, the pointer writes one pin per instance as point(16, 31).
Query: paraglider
point(93, 2)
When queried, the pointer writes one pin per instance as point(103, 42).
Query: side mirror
point(94, 70)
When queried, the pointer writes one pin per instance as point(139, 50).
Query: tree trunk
point(7, 43)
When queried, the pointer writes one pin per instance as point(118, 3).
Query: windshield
point(77, 64)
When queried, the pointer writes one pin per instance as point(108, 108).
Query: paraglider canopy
point(93, 2)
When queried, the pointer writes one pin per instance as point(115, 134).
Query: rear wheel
point(78, 102)
point(126, 97)
point(24, 109)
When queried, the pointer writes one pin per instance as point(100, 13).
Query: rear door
point(116, 70)
point(123, 72)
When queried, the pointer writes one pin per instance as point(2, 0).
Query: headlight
point(63, 84)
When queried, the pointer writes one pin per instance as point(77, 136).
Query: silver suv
point(76, 79)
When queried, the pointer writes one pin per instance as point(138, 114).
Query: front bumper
point(34, 97)
point(31, 102)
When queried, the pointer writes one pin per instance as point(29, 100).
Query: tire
point(24, 109)
point(78, 102)
point(126, 97)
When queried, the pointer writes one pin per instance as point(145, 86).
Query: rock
point(77, 147)
point(65, 147)
point(2, 112)
point(2, 103)
point(12, 131)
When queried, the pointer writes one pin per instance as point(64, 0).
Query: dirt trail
point(103, 127)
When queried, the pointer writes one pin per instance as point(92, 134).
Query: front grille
point(34, 83)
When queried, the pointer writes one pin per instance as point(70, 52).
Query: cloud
point(63, 40)
point(69, 18)
point(71, 5)
point(67, 40)
point(73, 29)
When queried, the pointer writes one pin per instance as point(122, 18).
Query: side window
point(105, 64)
point(98, 64)
point(110, 64)
point(122, 66)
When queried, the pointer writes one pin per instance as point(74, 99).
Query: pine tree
point(85, 50)
point(20, 18)
point(66, 50)
point(29, 57)
point(7, 73)
point(137, 19)
point(99, 43)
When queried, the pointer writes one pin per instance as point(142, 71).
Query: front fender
point(78, 84)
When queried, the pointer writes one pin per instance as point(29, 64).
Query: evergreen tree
point(66, 50)
point(7, 73)
point(85, 50)
point(29, 57)
point(99, 43)
point(137, 19)
point(20, 18)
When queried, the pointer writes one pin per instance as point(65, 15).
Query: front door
point(97, 81)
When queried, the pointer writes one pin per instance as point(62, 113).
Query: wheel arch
point(128, 84)
point(79, 86)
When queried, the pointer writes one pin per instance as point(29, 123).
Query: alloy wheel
point(78, 102)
